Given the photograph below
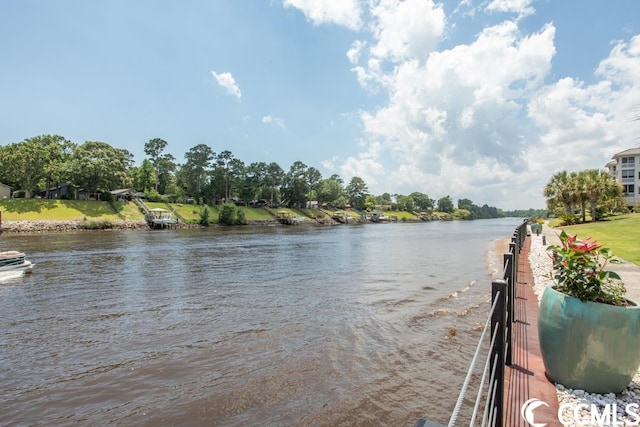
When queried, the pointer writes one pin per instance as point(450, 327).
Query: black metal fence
point(499, 323)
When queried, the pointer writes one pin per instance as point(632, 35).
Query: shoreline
point(52, 226)
point(48, 226)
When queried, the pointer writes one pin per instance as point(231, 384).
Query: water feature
point(344, 325)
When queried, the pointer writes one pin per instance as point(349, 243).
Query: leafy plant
point(579, 268)
point(240, 217)
point(227, 214)
point(204, 217)
point(568, 219)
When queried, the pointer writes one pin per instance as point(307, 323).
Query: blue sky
point(474, 99)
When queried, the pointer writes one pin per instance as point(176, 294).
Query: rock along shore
point(541, 267)
point(59, 226)
point(65, 226)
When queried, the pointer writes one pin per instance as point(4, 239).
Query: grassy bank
point(78, 210)
point(620, 233)
point(65, 210)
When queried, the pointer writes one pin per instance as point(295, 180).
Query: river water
point(346, 325)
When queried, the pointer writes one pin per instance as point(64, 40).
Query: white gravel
point(627, 403)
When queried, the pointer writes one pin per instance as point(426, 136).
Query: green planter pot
point(586, 345)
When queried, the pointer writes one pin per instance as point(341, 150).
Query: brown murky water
point(349, 325)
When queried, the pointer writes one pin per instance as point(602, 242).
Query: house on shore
point(127, 194)
point(5, 191)
point(625, 169)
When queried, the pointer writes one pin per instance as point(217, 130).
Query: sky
point(476, 99)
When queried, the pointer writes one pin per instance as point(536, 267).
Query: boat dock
point(157, 218)
point(160, 218)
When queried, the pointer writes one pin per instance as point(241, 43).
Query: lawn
point(253, 214)
point(620, 233)
point(315, 213)
point(74, 210)
point(191, 213)
point(129, 211)
point(56, 210)
point(401, 215)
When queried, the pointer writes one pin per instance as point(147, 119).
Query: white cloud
point(459, 103)
point(227, 81)
point(406, 29)
point(366, 168)
point(521, 7)
point(592, 122)
point(455, 120)
point(340, 12)
point(484, 119)
point(356, 49)
point(274, 120)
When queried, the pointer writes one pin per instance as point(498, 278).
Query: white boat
point(15, 261)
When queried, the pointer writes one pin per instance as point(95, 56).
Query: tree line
point(43, 162)
point(571, 193)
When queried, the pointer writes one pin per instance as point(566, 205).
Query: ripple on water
point(304, 326)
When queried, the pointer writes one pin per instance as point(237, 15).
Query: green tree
point(204, 217)
point(295, 186)
point(370, 202)
point(223, 167)
point(599, 187)
point(422, 201)
point(41, 160)
point(357, 192)
point(240, 217)
point(330, 190)
point(559, 193)
point(227, 214)
point(590, 186)
point(193, 174)
point(144, 176)
point(445, 204)
point(274, 179)
point(313, 178)
point(166, 170)
point(56, 171)
point(469, 206)
point(97, 166)
point(253, 182)
point(406, 203)
point(154, 148)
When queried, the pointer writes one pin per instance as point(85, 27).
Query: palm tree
point(579, 186)
point(599, 186)
point(558, 191)
point(577, 194)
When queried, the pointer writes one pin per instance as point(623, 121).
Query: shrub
point(568, 219)
point(579, 271)
point(204, 217)
point(106, 196)
point(154, 196)
point(227, 214)
point(240, 218)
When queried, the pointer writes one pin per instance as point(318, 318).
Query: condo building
point(625, 169)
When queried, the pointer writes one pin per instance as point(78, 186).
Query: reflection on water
point(347, 325)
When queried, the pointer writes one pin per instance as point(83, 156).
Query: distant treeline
point(528, 213)
point(38, 165)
